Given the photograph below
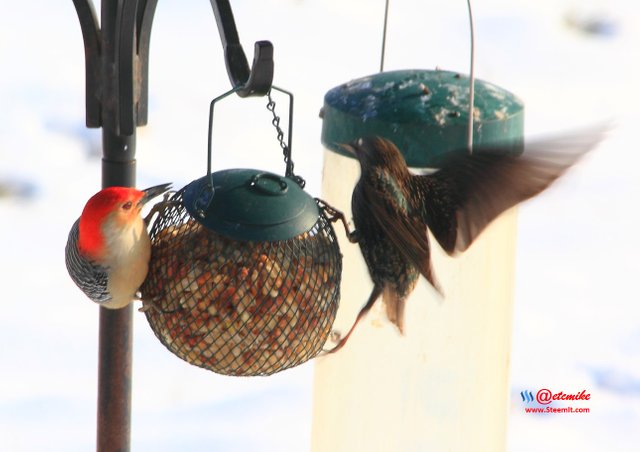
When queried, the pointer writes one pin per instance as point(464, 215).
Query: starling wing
point(471, 190)
point(386, 203)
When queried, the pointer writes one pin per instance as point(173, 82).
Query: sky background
point(576, 317)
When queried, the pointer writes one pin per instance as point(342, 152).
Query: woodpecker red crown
point(97, 209)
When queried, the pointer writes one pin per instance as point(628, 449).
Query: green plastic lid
point(425, 113)
point(249, 204)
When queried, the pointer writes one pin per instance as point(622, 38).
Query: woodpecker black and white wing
point(471, 190)
point(91, 278)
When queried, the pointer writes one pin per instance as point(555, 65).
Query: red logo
point(545, 396)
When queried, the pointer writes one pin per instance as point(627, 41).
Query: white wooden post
point(443, 386)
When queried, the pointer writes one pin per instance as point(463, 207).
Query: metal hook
point(471, 68)
point(210, 135)
point(254, 82)
point(127, 37)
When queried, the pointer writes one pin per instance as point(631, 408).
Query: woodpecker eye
point(127, 205)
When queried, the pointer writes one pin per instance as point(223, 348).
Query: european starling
point(392, 208)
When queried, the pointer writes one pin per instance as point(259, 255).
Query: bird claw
point(342, 340)
point(161, 206)
point(147, 306)
point(334, 215)
point(150, 304)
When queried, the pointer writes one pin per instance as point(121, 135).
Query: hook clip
point(254, 82)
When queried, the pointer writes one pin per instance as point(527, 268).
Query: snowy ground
point(577, 320)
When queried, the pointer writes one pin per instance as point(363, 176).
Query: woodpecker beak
point(152, 192)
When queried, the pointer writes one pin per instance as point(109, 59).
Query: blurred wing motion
point(471, 190)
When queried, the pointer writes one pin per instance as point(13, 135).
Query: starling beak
point(392, 208)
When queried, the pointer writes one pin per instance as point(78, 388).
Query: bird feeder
point(454, 354)
point(424, 113)
point(244, 277)
point(453, 357)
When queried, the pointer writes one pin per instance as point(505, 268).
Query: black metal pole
point(116, 56)
point(119, 169)
point(114, 380)
point(115, 333)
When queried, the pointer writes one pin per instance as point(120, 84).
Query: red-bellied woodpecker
point(108, 249)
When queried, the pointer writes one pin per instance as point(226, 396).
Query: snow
point(576, 320)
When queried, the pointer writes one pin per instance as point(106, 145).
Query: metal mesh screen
point(240, 307)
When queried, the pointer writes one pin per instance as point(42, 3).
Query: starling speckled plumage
point(392, 208)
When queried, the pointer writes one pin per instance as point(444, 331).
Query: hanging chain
point(286, 150)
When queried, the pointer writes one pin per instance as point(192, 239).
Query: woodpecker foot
point(161, 206)
point(150, 304)
point(146, 305)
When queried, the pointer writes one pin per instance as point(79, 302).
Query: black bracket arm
point(117, 63)
point(91, 37)
point(134, 38)
point(254, 82)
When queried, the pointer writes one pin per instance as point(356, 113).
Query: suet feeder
point(424, 112)
point(244, 277)
point(455, 350)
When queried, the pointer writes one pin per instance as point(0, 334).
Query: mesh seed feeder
point(244, 277)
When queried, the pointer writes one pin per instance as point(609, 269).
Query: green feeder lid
point(249, 204)
point(425, 113)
